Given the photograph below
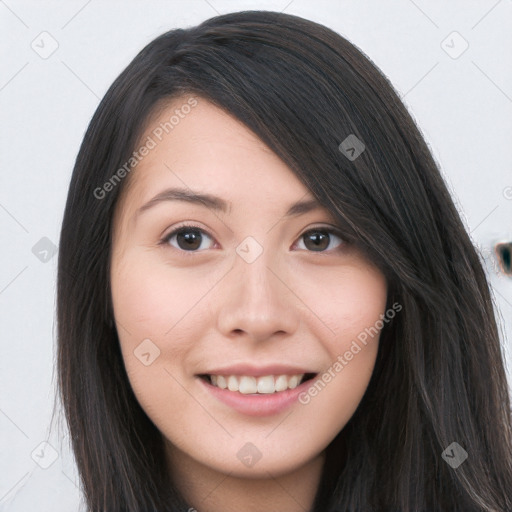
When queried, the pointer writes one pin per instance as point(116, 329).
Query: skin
point(202, 309)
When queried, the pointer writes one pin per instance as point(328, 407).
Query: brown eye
point(319, 240)
point(187, 238)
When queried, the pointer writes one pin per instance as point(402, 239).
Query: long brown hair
point(439, 376)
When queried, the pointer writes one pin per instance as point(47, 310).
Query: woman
point(266, 297)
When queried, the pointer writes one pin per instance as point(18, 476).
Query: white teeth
point(250, 385)
point(247, 385)
point(281, 383)
point(293, 382)
point(266, 384)
point(232, 383)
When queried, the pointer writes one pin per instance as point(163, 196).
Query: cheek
point(140, 297)
point(352, 304)
point(147, 310)
point(154, 299)
point(165, 305)
point(151, 304)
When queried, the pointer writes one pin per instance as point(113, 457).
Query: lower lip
point(257, 404)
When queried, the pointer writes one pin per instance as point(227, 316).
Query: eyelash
point(184, 227)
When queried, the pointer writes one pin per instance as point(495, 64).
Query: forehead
point(206, 149)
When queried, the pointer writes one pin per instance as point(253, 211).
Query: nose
point(257, 302)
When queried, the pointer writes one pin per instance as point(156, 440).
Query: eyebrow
point(218, 204)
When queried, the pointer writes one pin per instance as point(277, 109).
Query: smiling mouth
point(265, 385)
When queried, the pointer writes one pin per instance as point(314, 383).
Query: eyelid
point(327, 227)
point(164, 240)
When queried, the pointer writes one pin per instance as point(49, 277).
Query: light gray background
point(462, 103)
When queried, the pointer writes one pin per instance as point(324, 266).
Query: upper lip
point(258, 371)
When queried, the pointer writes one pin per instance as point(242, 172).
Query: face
point(237, 314)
